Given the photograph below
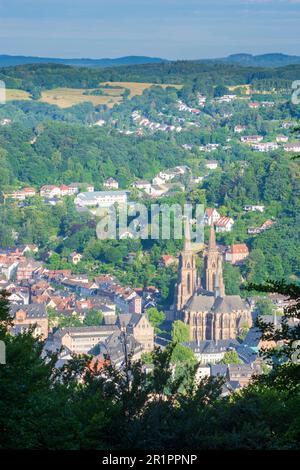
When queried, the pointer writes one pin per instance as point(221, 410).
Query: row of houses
point(153, 126)
point(257, 230)
point(184, 107)
point(49, 191)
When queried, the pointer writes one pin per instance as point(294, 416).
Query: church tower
point(187, 276)
point(219, 282)
point(211, 262)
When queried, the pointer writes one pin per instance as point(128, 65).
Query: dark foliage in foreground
point(45, 408)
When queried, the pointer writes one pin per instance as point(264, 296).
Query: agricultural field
point(67, 97)
point(135, 87)
point(12, 94)
point(109, 93)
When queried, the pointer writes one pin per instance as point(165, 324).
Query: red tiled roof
point(239, 248)
point(223, 221)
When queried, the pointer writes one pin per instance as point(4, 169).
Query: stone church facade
point(209, 312)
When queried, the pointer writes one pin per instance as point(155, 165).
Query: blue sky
point(163, 28)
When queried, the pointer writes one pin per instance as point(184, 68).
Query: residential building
point(142, 185)
point(127, 300)
point(224, 224)
point(254, 105)
point(265, 147)
point(251, 139)
point(254, 208)
point(158, 190)
point(168, 260)
point(238, 129)
point(101, 198)
point(82, 340)
point(211, 164)
point(111, 183)
point(236, 253)
point(139, 326)
point(75, 257)
point(210, 351)
point(25, 316)
point(211, 216)
point(282, 139)
point(26, 269)
point(115, 347)
point(292, 147)
point(21, 194)
point(66, 190)
point(50, 191)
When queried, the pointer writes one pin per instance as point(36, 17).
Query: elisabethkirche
point(209, 312)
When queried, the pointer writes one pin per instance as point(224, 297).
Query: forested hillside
point(36, 77)
point(45, 144)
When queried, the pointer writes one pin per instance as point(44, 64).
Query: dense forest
point(201, 77)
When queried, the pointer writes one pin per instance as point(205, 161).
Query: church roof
point(229, 303)
point(201, 302)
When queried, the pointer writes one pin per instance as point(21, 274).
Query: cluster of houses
point(162, 182)
point(209, 147)
point(257, 230)
point(263, 104)
point(221, 223)
point(184, 107)
point(257, 144)
point(201, 100)
point(225, 98)
point(153, 126)
point(34, 291)
point(49, 191)
point(40, 298)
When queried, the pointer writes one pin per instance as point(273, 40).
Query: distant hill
point(10, 60)
point(246, 60)
point(264, 60)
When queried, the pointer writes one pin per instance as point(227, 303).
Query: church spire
point(187, 235)
point(212, 245)
point(219, 283)
point(187, 274)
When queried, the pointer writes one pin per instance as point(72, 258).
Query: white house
point(21, 194)
point(158, 190)
point(111, 183)
point(282, 138)
point(252, 208)
point(292, 147)
point(211, 216)
point(211, 164)
point(238, 129)
point(101, 198)
point(265, 146)
point(224, 224)
point(251, 139)
point(66, 190)
point(76, 187)
point(50, 191)
point(142, 185)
